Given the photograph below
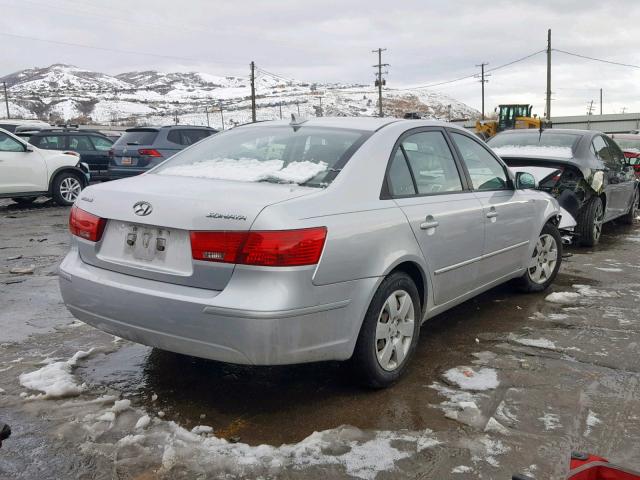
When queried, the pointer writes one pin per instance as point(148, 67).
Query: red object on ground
point(591, 467)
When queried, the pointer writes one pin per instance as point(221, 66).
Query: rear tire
point(66, 188)
point(629, 217)
point(389, 332)
point(590, 220)
point(545, 261)
point(24, 200)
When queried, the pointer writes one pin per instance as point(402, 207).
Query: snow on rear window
point(533, 151)
point(249, 170)
point(307, 155)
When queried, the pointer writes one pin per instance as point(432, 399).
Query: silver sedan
point(321, 239)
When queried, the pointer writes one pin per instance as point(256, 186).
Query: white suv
point(27, 172)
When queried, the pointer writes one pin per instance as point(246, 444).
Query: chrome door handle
point(429, 222)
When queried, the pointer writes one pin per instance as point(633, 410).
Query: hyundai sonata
point(324, 239)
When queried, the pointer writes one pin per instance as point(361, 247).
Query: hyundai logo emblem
point(142, 208)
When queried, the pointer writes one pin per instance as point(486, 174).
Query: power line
point(596, 59)
point(94, 47)
point(474, 74)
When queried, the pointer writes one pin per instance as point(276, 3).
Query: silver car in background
point(326, 239)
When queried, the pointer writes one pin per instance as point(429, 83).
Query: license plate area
point(126, 161)
point(148, 247)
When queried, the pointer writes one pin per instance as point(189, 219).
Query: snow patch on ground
point(55, 380)
point(461, 469)
point(588, 291)
point(592, 421)
point(461, 406)
point(469, 379)
point(535, 342)
point(143, 422)
point(551, 421)
point(361, 454)
point(558, 316)
point(248, 170)
point(609, 269)
point(201, 429)
point(564, 298)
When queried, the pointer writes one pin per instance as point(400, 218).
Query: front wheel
point(590, 220)
point(389, 332)
point(66, 188)
point(545, 261)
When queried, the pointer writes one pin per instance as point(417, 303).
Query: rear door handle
point(492, 213)
point(429, 222)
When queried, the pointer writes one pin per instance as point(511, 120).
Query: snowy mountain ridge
point(68, 93)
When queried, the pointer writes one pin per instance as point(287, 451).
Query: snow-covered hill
point(67, 93)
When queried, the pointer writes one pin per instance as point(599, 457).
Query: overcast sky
point(427, 42)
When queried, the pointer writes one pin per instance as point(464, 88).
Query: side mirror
point(525, 180)
point(28, 148)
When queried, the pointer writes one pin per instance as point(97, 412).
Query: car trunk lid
point(149, 220)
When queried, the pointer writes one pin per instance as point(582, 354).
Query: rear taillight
point(217, 246)
point(272, 248)
point(149, 152)
point(85, 225)
point(110, 152)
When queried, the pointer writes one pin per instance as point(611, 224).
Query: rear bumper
point(208, 324)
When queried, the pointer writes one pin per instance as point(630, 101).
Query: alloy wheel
point(70, 188)
point(544, 259)
point(394, 330)
point(597, 221)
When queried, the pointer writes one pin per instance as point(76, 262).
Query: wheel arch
point(417, 273)
point(67, 168)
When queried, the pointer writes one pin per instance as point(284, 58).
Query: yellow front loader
point(509, 116)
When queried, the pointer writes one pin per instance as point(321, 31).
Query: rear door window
point(399, 177)
point(485, 171)
point(600, 148)
point(101, 144)
point(80, 143)
point(50, 142)
point(617, 157)
point(431, 162)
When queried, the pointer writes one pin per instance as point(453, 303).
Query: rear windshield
point(310, 156)
point(627, 143)
point(533, 143)
point(137, 137)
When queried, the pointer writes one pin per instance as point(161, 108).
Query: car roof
point(355, 123)
point(535, 131)
point(167, 127)
point(70, 131)
point(626, 136)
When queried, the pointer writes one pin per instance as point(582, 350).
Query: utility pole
point(379, 80)
point(253, 91)
point(6, 98)
point(221, 116)
point(206, 109)
point(600, 101)
point(590, 108)
point(298, 105)
point(483, 81)
point(548, 106)
point(280, 107)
